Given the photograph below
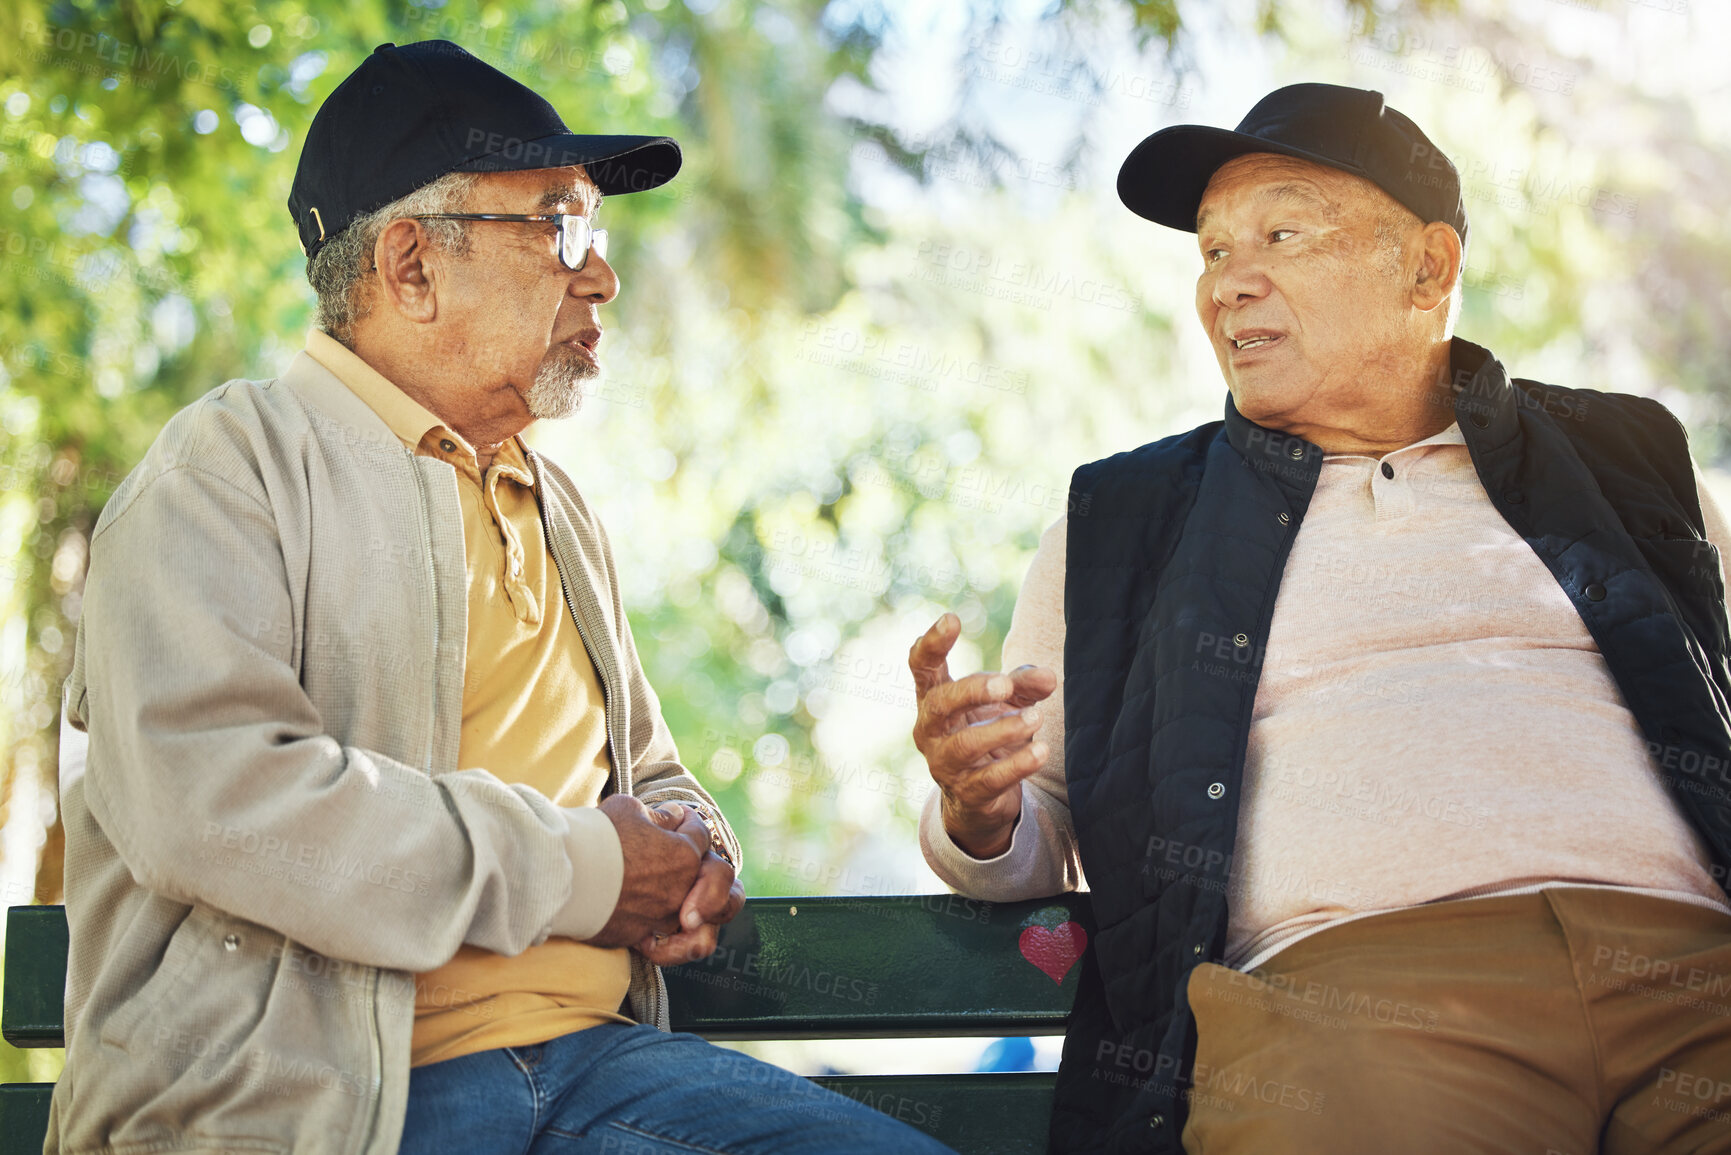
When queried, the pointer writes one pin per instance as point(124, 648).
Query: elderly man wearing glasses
point(381, 837)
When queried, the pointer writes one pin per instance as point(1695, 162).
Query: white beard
point(558, 388)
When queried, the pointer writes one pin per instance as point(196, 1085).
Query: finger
point(1032, 684)
point(667, 815)
point(708, 896)
point(978, 787)
point(694, 829)
point(660, 930)
point(967, 746)
point(735, 902)
point(940, 708)
point(928, 660)
point(679, 949)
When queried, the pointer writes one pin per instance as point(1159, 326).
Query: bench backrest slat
point(884, 967)
point(881, 966)
point(33, 1005)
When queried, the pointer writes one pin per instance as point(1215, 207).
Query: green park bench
point(913, 966)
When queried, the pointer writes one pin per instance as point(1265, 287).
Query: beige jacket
point(271, 834)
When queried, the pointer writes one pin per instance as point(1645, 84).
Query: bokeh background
point(887, 307)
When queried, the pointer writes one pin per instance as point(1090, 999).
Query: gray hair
point(338, 270)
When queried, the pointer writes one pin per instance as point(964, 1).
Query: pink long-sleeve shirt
point(1433, 721)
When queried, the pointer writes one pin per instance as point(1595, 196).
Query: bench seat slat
point(991, 1114)
point(976, 1114)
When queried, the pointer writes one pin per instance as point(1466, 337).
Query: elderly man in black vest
point(1393, 739)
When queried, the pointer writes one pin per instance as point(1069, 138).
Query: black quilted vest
point(1174, 559)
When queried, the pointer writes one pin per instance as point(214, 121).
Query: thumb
point(668, 815)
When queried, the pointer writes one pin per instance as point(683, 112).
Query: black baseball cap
point(409, 115)
point(1346, 128)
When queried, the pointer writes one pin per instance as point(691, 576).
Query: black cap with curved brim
point(1350, 129)
point(409, 115)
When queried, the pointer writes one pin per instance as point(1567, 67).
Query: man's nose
point(1239, 279)
point(595, 281)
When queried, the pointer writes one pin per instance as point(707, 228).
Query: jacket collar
point(324, 392)
point(1484, 396)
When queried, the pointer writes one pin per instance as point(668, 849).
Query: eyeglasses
point(576, 237)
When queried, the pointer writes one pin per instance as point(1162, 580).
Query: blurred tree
point(843, 416)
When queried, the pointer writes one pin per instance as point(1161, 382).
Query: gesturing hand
point(977, 738)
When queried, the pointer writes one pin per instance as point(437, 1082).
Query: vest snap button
point(1514, 497)
point(1297, 450)
point(1197, 949)
point(1216, 790)
point(1284, 518)
point(232, 942)
point(1241, 640)
point(1595, 592)
point(1155, 1122)
point(1481, 420)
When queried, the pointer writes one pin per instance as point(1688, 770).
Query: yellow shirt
point(532, 714)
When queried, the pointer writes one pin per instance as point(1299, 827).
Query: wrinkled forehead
point(1265, 179)
point(541, 190)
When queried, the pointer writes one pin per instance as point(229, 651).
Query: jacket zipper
point(375, 1043)
point(604, 669)
point(433, 592)
point(608, 675)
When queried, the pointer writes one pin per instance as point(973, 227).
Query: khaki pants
point(1569, 1022)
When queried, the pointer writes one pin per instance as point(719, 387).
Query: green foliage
point(859, 347)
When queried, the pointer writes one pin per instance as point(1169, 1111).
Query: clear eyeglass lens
point(577, 238)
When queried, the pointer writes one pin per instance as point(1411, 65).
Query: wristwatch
point(715, 841)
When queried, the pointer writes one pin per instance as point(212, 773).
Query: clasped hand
point(676, 893)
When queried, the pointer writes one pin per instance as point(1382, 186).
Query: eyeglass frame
point(597, 237)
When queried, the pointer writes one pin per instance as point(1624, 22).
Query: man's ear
point(1439, 265)
point(408, 272)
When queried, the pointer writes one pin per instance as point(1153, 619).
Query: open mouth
point(1254, 342)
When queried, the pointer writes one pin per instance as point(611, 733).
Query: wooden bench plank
point(997, 1114)
point(24, 1117)
point(33, 1005)
point(881, 967)
point(904, 966)
point(994, 1114)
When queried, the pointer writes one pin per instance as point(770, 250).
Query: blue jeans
point(621, 1089)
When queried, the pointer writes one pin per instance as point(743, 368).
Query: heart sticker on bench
point(1052, 942)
